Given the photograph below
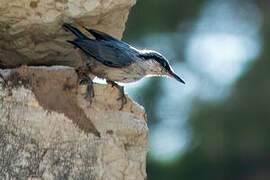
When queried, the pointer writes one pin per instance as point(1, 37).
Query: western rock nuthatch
point(115, 60)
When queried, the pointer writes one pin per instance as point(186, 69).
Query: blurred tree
point(230, 140)
point(151, 16)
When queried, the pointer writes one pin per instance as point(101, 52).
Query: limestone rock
point(48, 130)
point(31, 33)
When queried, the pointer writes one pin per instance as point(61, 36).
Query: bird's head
point(157, 65)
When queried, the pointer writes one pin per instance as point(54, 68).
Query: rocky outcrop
point(31, 32)
point(48, 130)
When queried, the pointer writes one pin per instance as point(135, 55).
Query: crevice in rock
point(54, 90)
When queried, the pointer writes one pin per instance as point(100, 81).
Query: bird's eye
point(165, 65)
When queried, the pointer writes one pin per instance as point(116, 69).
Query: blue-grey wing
point(106, 52)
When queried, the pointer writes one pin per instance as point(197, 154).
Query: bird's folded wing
point(105, 52)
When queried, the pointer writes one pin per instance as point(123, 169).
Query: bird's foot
point(86, 80)
point(122, 96)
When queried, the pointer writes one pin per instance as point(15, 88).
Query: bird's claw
point(124, 101)
point(89, 90)
point(122, 96)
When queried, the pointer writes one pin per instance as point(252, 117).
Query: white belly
point(127, 74)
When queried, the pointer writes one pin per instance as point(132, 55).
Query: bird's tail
point(75, 31)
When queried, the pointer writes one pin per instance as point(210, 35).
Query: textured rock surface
point(46, 129)
point(31, 33)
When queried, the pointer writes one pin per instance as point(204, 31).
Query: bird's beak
point(175, 76)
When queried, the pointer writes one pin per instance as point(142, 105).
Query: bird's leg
point(122, 96)
point(85, 79)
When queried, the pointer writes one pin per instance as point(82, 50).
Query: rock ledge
point(49, 131)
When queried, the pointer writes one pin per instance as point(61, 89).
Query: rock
point(48, 130)
point(31, 32)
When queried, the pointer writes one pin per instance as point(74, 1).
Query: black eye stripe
point(165, 64)
point(158, 58)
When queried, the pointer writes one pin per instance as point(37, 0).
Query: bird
point(117, 61)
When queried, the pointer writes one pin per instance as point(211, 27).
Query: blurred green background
point(217, 126)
